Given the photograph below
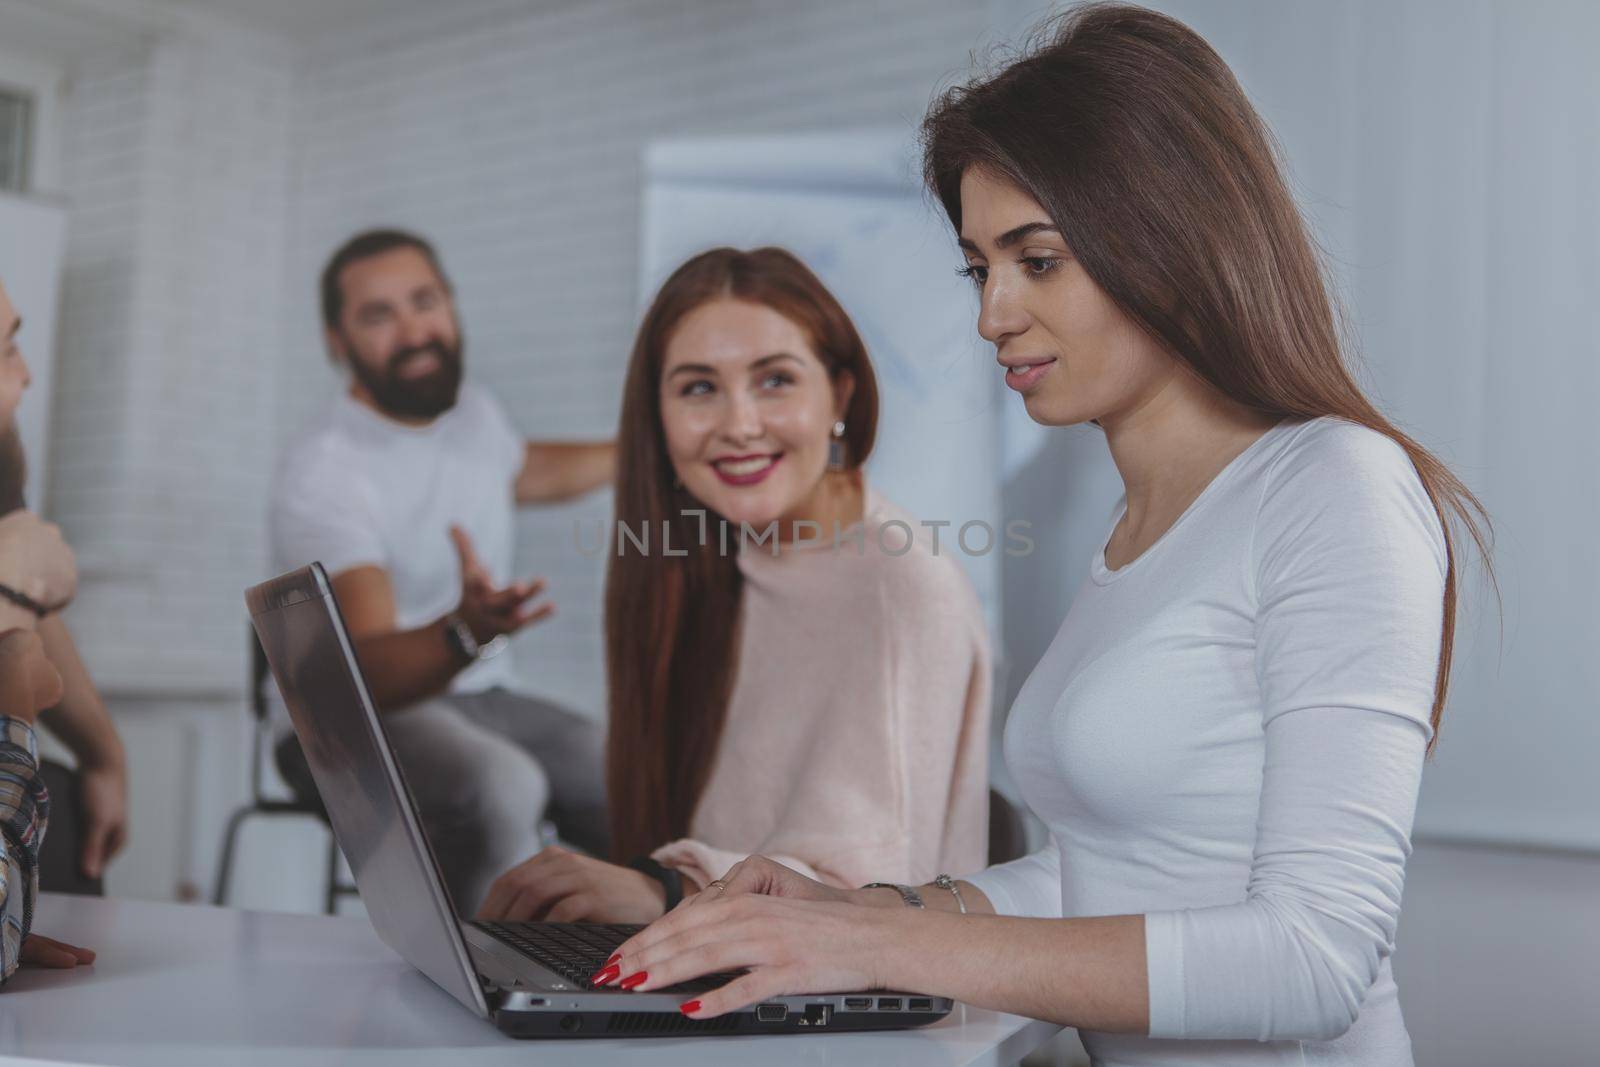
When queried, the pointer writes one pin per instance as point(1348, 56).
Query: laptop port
point(920, 1003)
point(857, 1003)
point(771, 1013)
point(888, 1003)
point(816, 1015)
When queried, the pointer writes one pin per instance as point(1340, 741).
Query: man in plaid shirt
point(24, 809)
point(28, 684)
point(37, 575)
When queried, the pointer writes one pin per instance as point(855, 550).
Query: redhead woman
point(789, 674)
point(1226, 736)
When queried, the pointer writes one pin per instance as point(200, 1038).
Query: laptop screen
point(373, 814)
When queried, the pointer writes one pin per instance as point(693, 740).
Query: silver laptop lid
point(373, 815)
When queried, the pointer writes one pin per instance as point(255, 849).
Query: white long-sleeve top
point(1227, 736)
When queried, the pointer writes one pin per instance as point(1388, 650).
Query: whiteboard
point(848, 204)
point(31, 244)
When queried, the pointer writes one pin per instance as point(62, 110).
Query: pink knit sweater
point(856, 744)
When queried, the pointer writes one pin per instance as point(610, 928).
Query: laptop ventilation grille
point(640, 1022)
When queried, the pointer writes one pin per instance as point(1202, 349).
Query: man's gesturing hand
point(490, 611)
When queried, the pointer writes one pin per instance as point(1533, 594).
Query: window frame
point(18, 149)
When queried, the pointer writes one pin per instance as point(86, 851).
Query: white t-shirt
point(1227, 736)
point(358, 488)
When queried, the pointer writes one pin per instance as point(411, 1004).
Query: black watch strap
point(458, 635)
point(671, 881)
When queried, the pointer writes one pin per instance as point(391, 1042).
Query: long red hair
point(672, 622)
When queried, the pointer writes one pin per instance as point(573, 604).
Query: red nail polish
point(633, 980)
point(604, 975)
point(689, 1007)
point(615, 956)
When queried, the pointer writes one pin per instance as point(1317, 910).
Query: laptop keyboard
point(576, 951)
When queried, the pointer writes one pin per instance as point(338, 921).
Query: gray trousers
point(486, 769)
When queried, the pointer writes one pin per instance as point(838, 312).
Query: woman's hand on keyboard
point(764, 877)
point(793, 934)
point(759, 875)
point(785, 945)
point(561, 886)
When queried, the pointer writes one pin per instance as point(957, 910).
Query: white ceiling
point(303, 20)
point(63, 30)
point(50, 31)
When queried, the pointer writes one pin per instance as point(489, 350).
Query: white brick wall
point(176, 164)
point(515, 143)
point(175, 161)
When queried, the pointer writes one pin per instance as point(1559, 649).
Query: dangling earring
point(836, 449)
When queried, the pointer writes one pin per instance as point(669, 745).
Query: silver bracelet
point(944, 881)
point(912, 898)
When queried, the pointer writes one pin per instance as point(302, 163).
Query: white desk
point(180, 984)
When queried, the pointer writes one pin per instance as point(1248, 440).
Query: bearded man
point(405, 490)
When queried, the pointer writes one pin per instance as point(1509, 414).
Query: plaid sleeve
point(24, 809)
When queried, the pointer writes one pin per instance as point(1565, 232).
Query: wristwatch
point(671, 880)
point(458, 635)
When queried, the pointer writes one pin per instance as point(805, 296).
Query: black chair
point(304, 802)
point(63, 839)
point(1008, 834)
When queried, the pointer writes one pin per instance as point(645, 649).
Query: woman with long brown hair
point(1226, 737)
point(794, 668)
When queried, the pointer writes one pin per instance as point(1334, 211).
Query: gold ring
point(717, 883)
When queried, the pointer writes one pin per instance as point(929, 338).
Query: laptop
point(530, 979)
